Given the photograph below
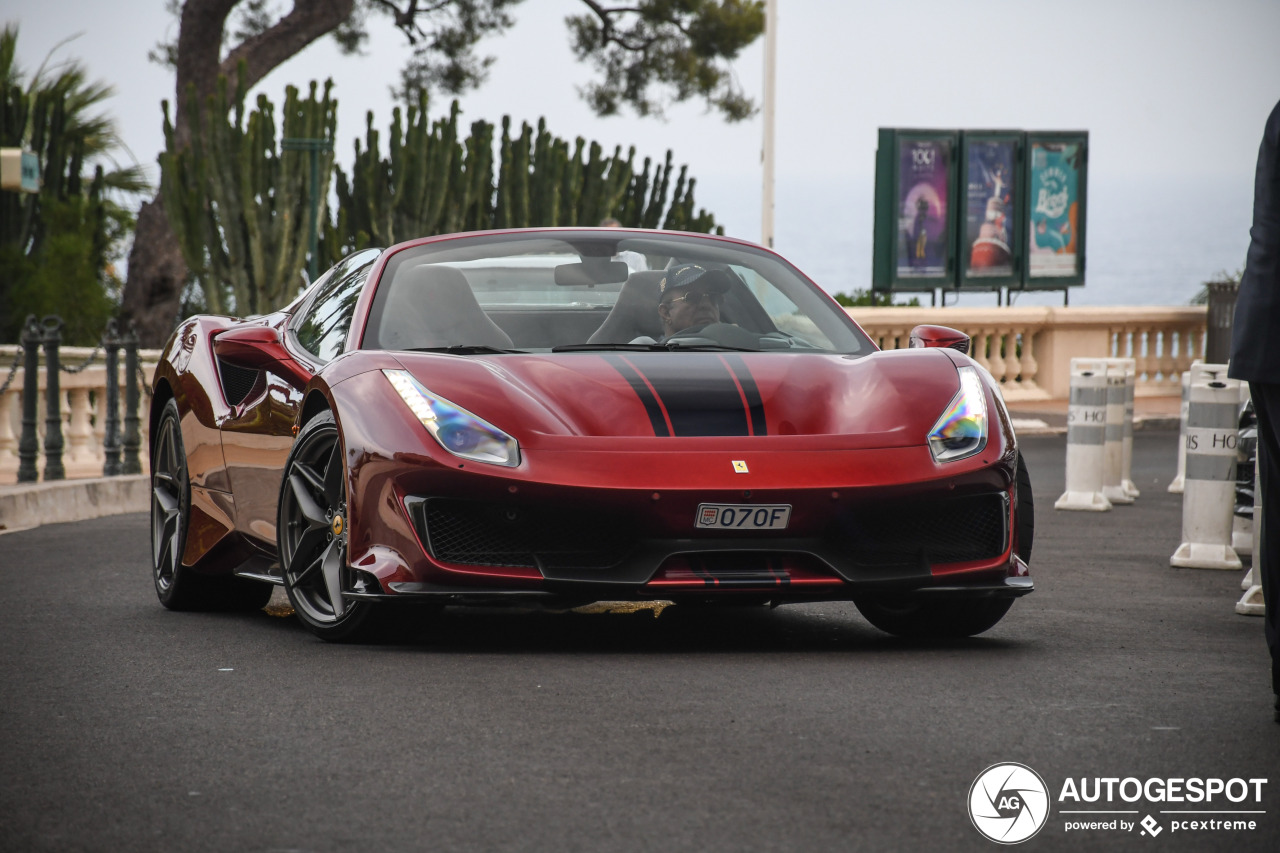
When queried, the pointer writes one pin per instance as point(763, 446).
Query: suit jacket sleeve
point(1255, 341)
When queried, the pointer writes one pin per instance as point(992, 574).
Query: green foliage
point(57, 246)
point(647, 52)
point(434, 182)
point(239, 206)
point(862, 299)
point(683, 45)
point(64, 279)
point(444, 58)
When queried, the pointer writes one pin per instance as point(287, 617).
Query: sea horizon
point(1149, 241)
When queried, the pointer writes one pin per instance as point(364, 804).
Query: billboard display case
point(991, 238)
point(916, 210)
point(1056, 174)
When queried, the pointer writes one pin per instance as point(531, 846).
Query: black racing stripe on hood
point(755, 403)
point(698, 392)
point(637, 383)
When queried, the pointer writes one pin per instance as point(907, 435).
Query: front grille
point(484, 534)
point(950, 531)
point(237, 382)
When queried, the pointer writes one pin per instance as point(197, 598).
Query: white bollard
point(1126, 459)
point(1086, 434)
point(1113, 449)
point(1242, 528)
point(1251, 603)
point(1241, 536)
point(1209, 489)
point(1176, 486)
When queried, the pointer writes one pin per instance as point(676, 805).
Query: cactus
point(431, 182)
point(238, 205)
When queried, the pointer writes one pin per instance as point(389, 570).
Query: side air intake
point(237, 382)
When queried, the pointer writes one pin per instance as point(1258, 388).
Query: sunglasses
point(717, 299)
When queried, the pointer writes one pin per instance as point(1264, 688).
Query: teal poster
point(1054, 215)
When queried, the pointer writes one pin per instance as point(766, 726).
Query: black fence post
point(111, 442)
point(1219, 319)
point(29, 443)
point(53, 443)
point(132, 437)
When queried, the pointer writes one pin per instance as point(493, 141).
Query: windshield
point(599, 290)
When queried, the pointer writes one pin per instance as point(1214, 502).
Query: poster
point(1054, 209)
point(922, 207)
point(989, 209)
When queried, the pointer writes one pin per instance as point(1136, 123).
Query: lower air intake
point(951, 531)
point(477, 533)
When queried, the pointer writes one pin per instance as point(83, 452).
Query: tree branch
point(609, 34)
point(199, 43)
point(307, 22)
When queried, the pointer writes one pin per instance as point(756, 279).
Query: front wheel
point(918, 617)
point(1025, 503)
point(312, 535)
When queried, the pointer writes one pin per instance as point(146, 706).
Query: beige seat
point(635, 314)
point(433, 306)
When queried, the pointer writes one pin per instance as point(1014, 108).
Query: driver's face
point(692, 308)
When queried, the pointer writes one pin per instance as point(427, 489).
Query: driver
point(691, 298)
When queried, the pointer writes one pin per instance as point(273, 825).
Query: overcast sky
point(1166, 88)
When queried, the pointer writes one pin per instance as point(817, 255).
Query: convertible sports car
point(563, 416)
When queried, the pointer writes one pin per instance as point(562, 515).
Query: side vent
point(237, 382)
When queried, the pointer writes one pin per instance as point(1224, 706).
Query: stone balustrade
point(1029, 350)
point(83, 412)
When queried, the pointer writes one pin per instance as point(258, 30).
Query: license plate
point(743, 516)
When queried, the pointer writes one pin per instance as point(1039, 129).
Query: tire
point(177, 586)
point(913, 616)
point(1025, 502)
point(312, 536)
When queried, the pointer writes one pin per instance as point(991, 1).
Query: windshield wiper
point(677, 345)
point(669, 346)
point(610, 347)
point(464, 349)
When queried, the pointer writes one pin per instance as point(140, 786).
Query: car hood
point(886, 399)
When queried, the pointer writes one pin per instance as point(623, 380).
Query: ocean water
point(1149, 241)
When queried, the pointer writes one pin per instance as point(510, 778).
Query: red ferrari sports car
point(572, 415)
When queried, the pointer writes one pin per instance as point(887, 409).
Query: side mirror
point(258, 348)
point(939, 336)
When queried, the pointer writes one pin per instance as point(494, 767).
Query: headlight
point(962, 429)
point(458, 431)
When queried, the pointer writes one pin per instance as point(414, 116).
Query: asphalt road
point(126, 727)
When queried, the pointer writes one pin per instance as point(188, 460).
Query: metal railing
point(60, 407)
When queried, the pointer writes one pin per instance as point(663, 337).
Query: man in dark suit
point(1255, 356)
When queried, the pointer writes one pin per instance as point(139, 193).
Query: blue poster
point(989, 208)
point(1054, 209)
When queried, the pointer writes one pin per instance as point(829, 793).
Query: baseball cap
point(685, 275)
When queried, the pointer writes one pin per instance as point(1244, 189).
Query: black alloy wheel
point(180, 587)
point(1025, 503)
point(312, 534)
point(917, 616)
